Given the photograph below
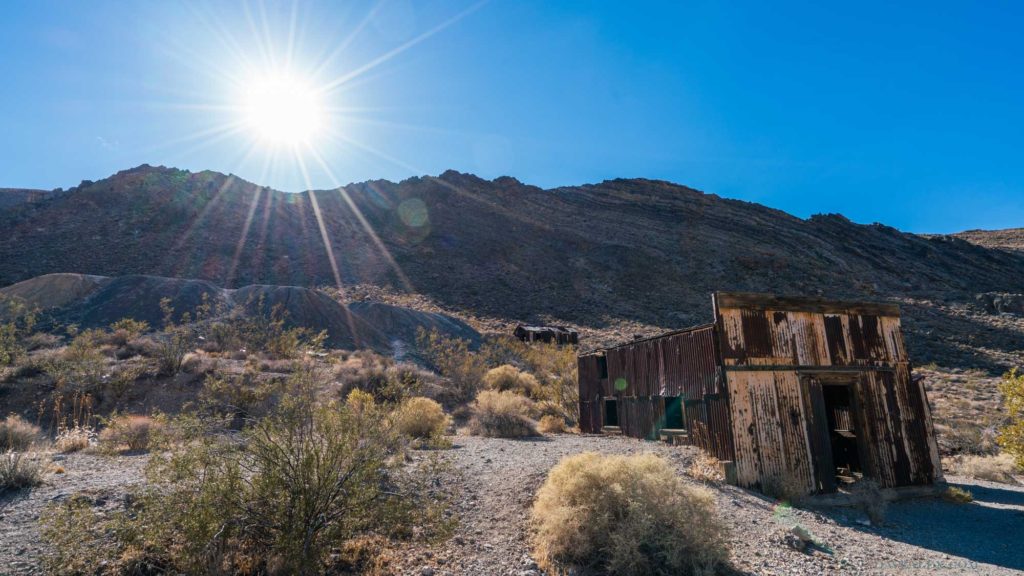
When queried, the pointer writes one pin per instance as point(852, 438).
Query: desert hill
point(98, 301)
point(1009, 239)
point(615, 258)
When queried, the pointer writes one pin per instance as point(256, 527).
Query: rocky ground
point(493, 481)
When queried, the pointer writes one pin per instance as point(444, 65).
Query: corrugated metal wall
point(773, 350)
point(642, 373)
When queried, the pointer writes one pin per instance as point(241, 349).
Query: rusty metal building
point(787, 389)
point(558, 334)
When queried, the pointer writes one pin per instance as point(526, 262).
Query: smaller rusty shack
point(786, 389)
point(557, 334)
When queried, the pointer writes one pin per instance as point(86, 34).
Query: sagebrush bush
point(551, 424)
point(131, 432)
point(1000, 468)
point(18, 434)
point(502, 415)
point(625, 515)
point(508, 377)
point(421, 418)
point(19, 470)
point(74, 439)
point(454, 360)
point(17, 321)
point(278, 498)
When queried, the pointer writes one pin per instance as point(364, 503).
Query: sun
point(282, 110)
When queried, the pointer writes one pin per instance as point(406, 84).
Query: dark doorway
point(611, 413)
point(674, 413)
point(842, 432)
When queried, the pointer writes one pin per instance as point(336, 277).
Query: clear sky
point(910, 115)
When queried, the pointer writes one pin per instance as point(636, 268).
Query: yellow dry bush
point(131, 432)
point(706, 468)
point(421, 418)
point(502, 415)
point(73, 439)
point(625, 515)
point(1011, 436)
point(999, 468)
point(551, 424)
point(508, 377)
point(17, 434)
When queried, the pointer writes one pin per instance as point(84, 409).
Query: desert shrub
point(19, 470)
point(81, 366)
point(999, 468)
point(275, 499)
point(131, 432)
point(127, 329)
point(502, 415)
point(553, 366)
point(16, 324)
point(17, 434)
point(421, 418)
point(1011, 436)
point(177, 340)
point(868, 495)
point(957, 495)
point(625, 515)
point(454, 360)
point(786, 487)
point(706, 468)
point(551, 424)
point(360, 402)
point(508, 377)
point(389, 382)
point(74, 439)
point(241, 397)
point(264, 330)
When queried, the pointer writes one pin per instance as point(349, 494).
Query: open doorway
point(674, 413)
point(842, 432)
point(611, 413)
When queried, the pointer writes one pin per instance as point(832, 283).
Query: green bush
point(81, 366)
point(453, 359)
point(276, 499)
point(502, 415)
point(625, 515)
point(1011, 436)
point(16, 324)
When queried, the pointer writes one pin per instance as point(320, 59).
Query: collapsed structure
point(550, 334)
point(800, 390)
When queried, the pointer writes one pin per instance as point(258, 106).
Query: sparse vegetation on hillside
point(16, 324)
point(999, 468)
point(20, 470)
point(625, 515)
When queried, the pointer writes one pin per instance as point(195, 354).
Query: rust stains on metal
point(795, 390)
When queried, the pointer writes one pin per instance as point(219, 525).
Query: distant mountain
point(614, 257)
point(1009, 239)
point(11, 197)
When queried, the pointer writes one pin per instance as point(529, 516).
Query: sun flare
point(282, 110)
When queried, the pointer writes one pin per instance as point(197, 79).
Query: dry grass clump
point(508, 377)
point(420, 418)
point(73, 439)
point(706, 468)
point(625, 515)
point(551, 424)
point(17, 434)
point(1000, 468)
point(957, 495)
point(18, 470)
point(786, 488)
point(871, 500)
point(131, 432)
point(502, 415)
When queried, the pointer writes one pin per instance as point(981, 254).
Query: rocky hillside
point(613, 258)
point(1009, 239)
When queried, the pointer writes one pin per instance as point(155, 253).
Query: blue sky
point(910, 115)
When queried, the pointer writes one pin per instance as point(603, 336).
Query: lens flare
point(282, 110)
